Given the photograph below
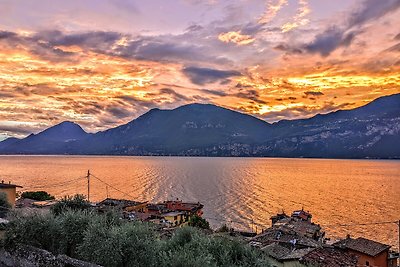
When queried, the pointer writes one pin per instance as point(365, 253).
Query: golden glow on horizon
point(101, 91)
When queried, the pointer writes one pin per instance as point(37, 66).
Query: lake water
point(241, 192)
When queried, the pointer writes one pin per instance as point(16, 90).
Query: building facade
point(11, 192)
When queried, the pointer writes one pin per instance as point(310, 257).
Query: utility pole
point(88, 185)
point(398, 230)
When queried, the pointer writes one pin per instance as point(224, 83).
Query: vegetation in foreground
point(4, 205)
point(76, 202)
point(37, 195)
point(107, 240)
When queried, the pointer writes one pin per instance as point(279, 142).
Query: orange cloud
point(236, 38)
point(271, 11)
point(300, 18)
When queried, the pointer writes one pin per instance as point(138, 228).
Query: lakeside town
point(292, 240)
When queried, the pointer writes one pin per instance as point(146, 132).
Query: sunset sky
point(102, 63)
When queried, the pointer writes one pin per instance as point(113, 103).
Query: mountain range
point(370, 131)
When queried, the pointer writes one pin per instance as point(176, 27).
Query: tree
point(77, 202)
point(104, 239)
point(4, 205)
point(37, 195)
point(199, 222)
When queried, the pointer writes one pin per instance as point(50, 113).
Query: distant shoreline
point(189, 156)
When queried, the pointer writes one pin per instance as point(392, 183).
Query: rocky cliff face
point(28, 256)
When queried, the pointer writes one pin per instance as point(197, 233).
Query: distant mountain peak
point(66, 130)
point(198, 129)
point(67, 124)
point(199, 106)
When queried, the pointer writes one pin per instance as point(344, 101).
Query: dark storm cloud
point(250, 94)
point(92, 40)
point(252, 28)
point(214, 92)
point(7, 35)
point(171, 49)
point(24, 129)
point(36, 45)
point(7, 95)
point(288, 49)
point(394, 48)
point(328, 41)
point(304, 112)
point(203, 76)
point(134, 101)
point(372, 9)
point(337, 36)
point(313, 93)
point(174, 94)
point(18, 129)
point(166, 51)
point(160, 48)
point(119, 112)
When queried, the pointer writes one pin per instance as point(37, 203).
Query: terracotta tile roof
point(363, 245)
point(5, 185)
point(276, 251)
point(329, 257)
point(274, 235)
point(297, 253)
point(283, 253)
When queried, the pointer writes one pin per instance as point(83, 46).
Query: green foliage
point(37, 195)
point(190, 247)
point(104, 239)
point(223, 229)
point(199, 222)
point(130, 244)
point(73, 225)
point(4, 205)
point(77, 202)
point(39, 230)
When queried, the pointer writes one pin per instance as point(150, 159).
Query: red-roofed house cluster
point(295, 241)
point(169, 213)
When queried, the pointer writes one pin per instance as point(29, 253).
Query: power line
point(113, 187)
point(211, 198)
point(360, 224)
point(54, 185)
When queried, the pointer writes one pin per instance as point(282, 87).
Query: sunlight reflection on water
point(234, 190)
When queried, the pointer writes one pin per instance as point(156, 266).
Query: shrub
point(73, 225)
point(129, 244)
point(190, 247)
point(199, 222)
point(37, 195)
point(77, 202)
point(39, 230)
point(106, 240)
point(4, 205)
point(187, 247)
point(223, 229)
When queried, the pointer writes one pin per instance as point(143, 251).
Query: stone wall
point(27, 256)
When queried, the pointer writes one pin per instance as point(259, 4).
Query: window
point(367, 263)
